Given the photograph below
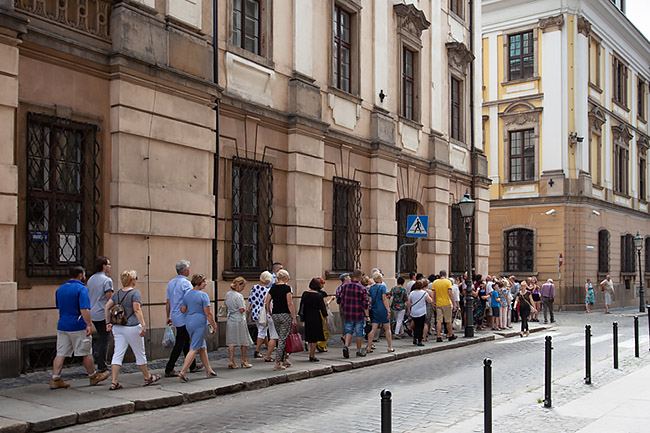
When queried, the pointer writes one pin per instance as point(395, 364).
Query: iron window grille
point(246, 25)
point(63, 196)
point(342, 49)
point(647, 255)
point(522, 155)
point(603, 251)
point(521, 58)
point(252, 210)
point(628, 253)
point(519, 250)
point(409, 254)
point(346, 224)
point(458, 241)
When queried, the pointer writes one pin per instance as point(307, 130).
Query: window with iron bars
point(346, 224)
point(409, 259)
point(252, 199)
point(627, 253)
point(603, 251)
point(458, 241)
point(519, 250)
point(647, 255)
point(62, 195)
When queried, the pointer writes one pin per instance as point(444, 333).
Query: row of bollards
point(386, 405)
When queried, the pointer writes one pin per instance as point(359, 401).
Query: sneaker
point(420, 344)
point(58, 383)
point(172, 373)
point(361, 352)
point(439, 339)
point(98, 377)
point(346, 352)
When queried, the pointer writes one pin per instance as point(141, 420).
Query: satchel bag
point(261, 318)
point(223, 310)
point(117, 316)
point(294, 341)
point(457, 322)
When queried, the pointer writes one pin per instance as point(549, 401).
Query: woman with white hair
point(284, 315)
point(265, 333)
point(380, 311)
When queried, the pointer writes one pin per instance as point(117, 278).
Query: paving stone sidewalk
point(27, 403)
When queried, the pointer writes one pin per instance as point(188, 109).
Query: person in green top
point(398, 306)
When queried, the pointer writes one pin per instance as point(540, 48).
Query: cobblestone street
point(436, 392)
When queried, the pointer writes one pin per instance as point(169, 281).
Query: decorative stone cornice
point(520, 113)
point(643, 143)
point(584, 26)
point(622, 133)
point(551, 23)
point(596, 118)
point(459, 55)
point(411, 19)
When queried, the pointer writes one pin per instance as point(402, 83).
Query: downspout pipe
point(215, 168)
point(471, 126)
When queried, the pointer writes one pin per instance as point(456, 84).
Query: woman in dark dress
point(526, 305)
point(312, 310)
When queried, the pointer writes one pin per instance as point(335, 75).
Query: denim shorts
point(354, 328)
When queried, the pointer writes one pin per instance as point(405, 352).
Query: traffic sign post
point(417, 226)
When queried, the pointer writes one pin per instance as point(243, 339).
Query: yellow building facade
point(565, 124)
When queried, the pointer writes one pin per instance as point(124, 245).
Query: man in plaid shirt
point(354, 302)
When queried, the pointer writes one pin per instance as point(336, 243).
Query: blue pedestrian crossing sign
point(417, 226)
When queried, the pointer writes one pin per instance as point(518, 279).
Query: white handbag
point(261, 318)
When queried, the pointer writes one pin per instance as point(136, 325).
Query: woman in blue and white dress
point(265, 333)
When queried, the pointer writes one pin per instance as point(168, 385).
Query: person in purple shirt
point(176, 290)
point(74, 329)
point(548, 296)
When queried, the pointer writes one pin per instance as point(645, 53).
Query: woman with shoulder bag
point(283, 314)
point(416, 307)
point(265, 328)
point(129, 333)
point(313, 310)
point(525, 302)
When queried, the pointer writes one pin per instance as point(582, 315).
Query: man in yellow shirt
point(444, 298)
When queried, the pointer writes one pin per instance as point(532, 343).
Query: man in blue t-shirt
point(74, 328)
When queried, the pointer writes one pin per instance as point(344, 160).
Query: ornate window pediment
point(521, 113)
point(551, 23)
point(459, 55)
point(622, 133)
point(597, 118)
point(411, 21)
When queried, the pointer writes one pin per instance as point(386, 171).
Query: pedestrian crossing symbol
point(417, 226)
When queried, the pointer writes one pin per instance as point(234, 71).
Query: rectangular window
point(522, 155)
point(621, 162)
point(252, 199)
point(627, 253)
point(346, 224)
point(456, 109)
point(619, 74)
point(643, 172)
point(594, 62)
point(595, 159)
point(603, 251)
point(409, 255)
point(521, 60)
point(640, 98)
point(62, 194)
point(408, 83)
point(342, 49)
point(456, 6)
point(246, 25)
point(519, 250)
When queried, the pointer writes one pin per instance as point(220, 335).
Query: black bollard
point(386, 420)
point(588, 354)
point(547, 372)
point(487, 394)
point(615, 330)
point(636, 336)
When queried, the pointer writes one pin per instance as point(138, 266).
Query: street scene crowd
point(420, 307)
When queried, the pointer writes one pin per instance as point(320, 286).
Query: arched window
point(409, 255)
point(603, 251)
point(519, 250)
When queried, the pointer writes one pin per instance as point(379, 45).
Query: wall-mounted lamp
point(595, 212)
point(550, 212)
point(382, 95)
point(573, 138)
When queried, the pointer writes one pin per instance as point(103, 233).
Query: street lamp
point(466, 206)
point(638, 243)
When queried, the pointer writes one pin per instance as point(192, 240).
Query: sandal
point(268, 360)
point(182, 378)
point(286, 364)
point(369, 350)
point(115, 386)
point(279, 368)
point(258, 355)
point(232, 365)
point(391, 350)
point(152, 379)
point(246, 364)
point(211, 374)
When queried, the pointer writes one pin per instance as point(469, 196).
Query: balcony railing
point(90, 17)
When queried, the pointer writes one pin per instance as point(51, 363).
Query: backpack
point(117, 314)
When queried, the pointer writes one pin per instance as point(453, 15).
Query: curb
point(178, 398)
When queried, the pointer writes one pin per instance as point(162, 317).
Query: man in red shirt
point(354, 302)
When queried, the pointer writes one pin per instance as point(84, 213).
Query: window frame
point(521, 56)
point(456, 108)
point(521, 156)
point(525, 253)
point(628, 254)
point(647, 255)
point(403, 208)
point(262, 219)
point(597, 47)
point(458, 259)
point(603, 251)
point(641, 93)
point(643, 174)
point(620, 77)
point(407, 111)
point(621, 160)
point(347, 231)
point(353, 9)
point(457, 9)
point(265, 52)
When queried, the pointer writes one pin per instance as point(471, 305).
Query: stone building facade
point(565, 112)
point(308, 139)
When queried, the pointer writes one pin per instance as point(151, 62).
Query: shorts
point(495, 311)
point(267, 330)
point(69, 342)
point(443, 313)
point(608, 298)
point(353, 328)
